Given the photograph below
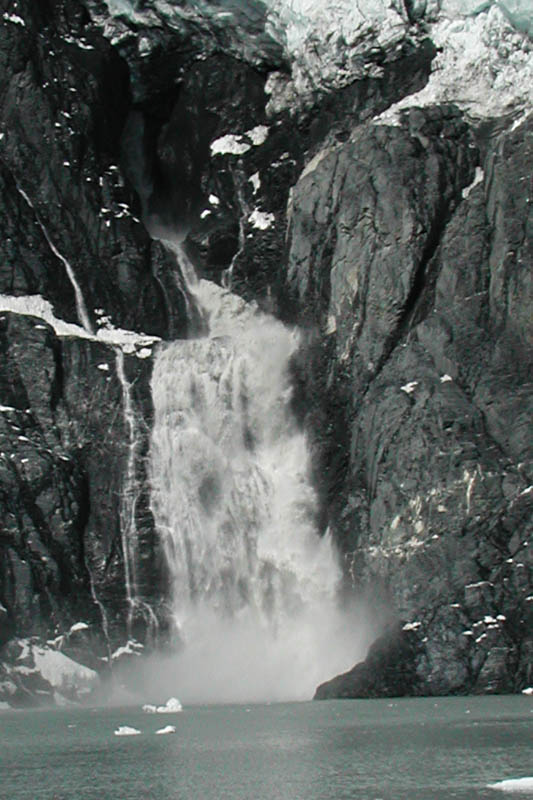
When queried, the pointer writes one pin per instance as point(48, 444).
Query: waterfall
point(253, 587)
point(81, 308)
point(131, 489)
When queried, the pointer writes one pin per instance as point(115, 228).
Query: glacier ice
point(172, 706)
point(331, 43)
point(514, 786)
point(483, 65)
point(166, 729)
point(125, 730)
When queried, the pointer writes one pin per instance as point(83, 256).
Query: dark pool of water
point(412, 749)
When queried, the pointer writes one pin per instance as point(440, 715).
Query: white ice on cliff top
point(37, 306)
point(483, 65)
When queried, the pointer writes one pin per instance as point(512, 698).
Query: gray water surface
point(409, 749)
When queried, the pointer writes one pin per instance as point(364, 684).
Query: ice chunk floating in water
point(172, 706)
point(125, 730)
point(514, 785)
point(254, 587)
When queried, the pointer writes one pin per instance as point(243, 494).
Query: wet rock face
point(160, 40)
point(65, 446)
point(403, 251)
point(65, 98)
point(427, 293)
point(218, 167)
point(388, 671)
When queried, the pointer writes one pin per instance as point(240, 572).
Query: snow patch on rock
point(261, 219)
point(230, 144)
point(255, 180)
point(78, 626)
point(37, 306)
point(258, 135)
point(478, 178)
point(62, 672)
point(131, 648)
point(14, 18)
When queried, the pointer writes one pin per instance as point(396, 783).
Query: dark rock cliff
point(68, 498)
point(404, 253)
point(73, 483)
point(63, 105)
point(433, 339)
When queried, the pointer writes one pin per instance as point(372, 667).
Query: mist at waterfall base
point(254, 588)
point(225, 661)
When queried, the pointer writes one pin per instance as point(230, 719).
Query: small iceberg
point(167, 729)
point(125, 730)
point(528, 691)
point(514, 785)
point(172, 706)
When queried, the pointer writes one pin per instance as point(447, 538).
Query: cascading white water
point(131, 488)
point(254, 588)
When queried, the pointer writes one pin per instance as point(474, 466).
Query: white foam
point(514, 785)
point(236, 512)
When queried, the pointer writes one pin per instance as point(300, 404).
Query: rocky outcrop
point(389, 670)
point(63, 104)
point(77, 535)
point(235, 165)
point(77, 543)
point(425, 293)
point(306, 161)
